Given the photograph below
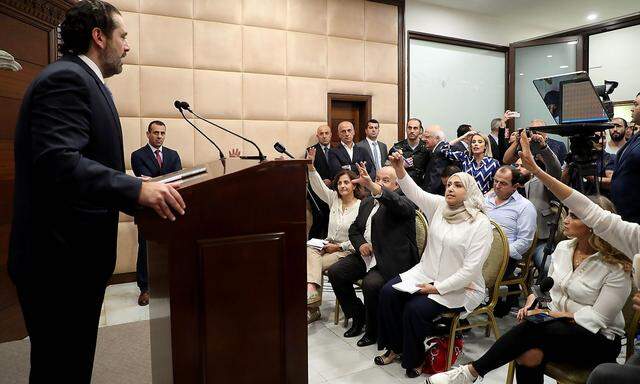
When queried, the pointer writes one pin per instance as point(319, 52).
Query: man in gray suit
point(377, 149)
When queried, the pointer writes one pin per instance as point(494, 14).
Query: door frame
point(366, 99)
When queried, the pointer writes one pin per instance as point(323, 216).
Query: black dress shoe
point(367, 340)
point(413, 372)
point(357, 326)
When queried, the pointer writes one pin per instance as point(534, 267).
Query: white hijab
point(472, 205)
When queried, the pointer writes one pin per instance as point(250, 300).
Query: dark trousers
point(406, 320)
point(342, 275)
point(142, 276)
point(320, 216)
point(560, 341)
point(610, 373)
point(62, 322)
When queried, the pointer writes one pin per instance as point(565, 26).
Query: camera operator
point(623, 235)
point(557, 147)
point(626, 174)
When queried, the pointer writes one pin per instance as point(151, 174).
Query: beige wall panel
point(180, 137)
point(346, 86)
point(166, 41)
point(301, 134)
point(264, 97)
point(306, 55)
point(205, 152)
point(226, 11)
point(380, 22)
point(217, 46)
point(388, 134)
point(127, 253)
point(306, 99)
point(218, 94)
point(345, 18)
point(126, 5)
point(307, 16)
point(263, 50)
point(346, 59)
point(160, 87)
point(132, 22)
point(177, 8)
point(130, 137)
point(381, 62)
point(384, 102)
point(125, 88)
point(265, 13)
point(264, 134)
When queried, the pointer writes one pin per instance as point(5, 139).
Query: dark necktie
point(326, 152)
point(159, 158)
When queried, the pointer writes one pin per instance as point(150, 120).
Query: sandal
point(385, 359)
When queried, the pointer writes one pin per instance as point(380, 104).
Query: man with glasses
point(617, 135)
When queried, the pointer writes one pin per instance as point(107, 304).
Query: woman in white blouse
point(449, 275)
point(343, 201)
point(592, 283)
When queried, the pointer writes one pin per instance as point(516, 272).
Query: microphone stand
point(222, 158)
point(260, 156)
point(313, 200)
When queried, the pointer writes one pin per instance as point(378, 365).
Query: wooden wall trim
point(47, 12)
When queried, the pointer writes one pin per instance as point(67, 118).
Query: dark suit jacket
point(321, 163)
point(420, 158)
point(433, 171)
point(382, 150)
point(143, 162)
point(70, 180)
point(626, 180)
point(339, 157)
point(558, 148)
point(498, 148)
point(393, 232)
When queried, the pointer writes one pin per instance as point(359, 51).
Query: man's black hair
point(80, 21)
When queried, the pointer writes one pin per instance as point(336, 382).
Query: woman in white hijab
point(449, 275)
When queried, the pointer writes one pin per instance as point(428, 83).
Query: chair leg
point(336, 313)
point(494, 325)
point(452, 342)
point(510, 373)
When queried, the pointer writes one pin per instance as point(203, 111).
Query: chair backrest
point(421, 232)
point(631, 319)
point(495, 265)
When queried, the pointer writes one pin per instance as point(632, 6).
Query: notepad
point(408, 286)
point(317, 243)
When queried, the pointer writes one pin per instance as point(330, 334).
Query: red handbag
point(436, 355)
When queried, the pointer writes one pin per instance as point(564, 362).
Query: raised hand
point(311, 154)
point(525, 154)
point(364, 178)
point(234, 152)
point(397, 162)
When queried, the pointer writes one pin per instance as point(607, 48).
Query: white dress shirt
point(375, 150)
point(339, 219)
point(454, 255)
point(349, 151)
point(93, 66)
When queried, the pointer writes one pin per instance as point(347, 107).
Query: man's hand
point(311, 155)
point(331, 248)
point(163, 198)
point(397, 162)
point(426, 289)
point(636, 301)
point(366, 249)
point(527, 158)
point(538, 138)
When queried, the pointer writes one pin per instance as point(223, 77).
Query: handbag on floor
point(436, 355)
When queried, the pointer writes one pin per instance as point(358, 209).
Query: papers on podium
point(408, 286)
point(317, 243)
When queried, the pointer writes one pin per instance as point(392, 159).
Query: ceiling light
point(522, 74)
point(549, 56)
point(592, 16)
point(573, 42)
point(564, 66)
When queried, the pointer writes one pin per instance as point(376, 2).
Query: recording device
point(541, 293)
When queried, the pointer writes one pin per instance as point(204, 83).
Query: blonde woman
point(477, 161)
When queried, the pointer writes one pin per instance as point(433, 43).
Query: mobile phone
point(513, 114)
point(539, 318)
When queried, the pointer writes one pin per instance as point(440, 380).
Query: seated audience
point(320, 213)
point(448, 171)
point(477, 161)
point(414, 150)
point(376, 149)
point(517, 217)
point(617, 135)
point(449, 274)
point(434, 139)
point(346, 155)
point(344, 204)
point(384, 237)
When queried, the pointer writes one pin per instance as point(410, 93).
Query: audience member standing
point(476, 161)
point(434, 140)
point(558, 147)
point(384, 237)
point(626, 174)
point(320, 213)
point(347, 155)
point(413, 150)
point(70, 184)
point(617, 135)
point(376, 149)
point(152, 160)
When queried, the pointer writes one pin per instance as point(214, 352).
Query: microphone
point(281, 149)
point(542, 292)
point(185, 105)
point(180, 106)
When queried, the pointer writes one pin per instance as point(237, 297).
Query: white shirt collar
point(93, 66)
point(153, 149)
point(371, 142)
point(347, 147)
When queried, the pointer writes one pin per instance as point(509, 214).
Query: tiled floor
point(332, 358)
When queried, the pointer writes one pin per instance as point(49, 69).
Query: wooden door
point(353, 108)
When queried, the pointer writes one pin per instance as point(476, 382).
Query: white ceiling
point(557, 15)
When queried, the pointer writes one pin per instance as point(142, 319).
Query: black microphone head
point(185, 105)
point(177, 104)
point(546, 284)
point(279, 147)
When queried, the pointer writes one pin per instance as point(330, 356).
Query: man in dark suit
point(626, 174)
point(384, 236)
point(556, 146)
point(433, 138)
point(346, 155)
point(499, 143)
point(413, 150)
point(376, 149)
point(152, 160)
point(320, 212)
point(70, 184)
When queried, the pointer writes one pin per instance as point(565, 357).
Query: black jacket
point(321, 163)
point(339, 157)
point(433, 171)
point(70, 181)
point(393, 232)
point(144, 163)
point(420, 158)
point(626, 180)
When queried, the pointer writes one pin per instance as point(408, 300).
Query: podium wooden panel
point(227, 279)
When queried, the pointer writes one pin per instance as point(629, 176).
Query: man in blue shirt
point(516, 216)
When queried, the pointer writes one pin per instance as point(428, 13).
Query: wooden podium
point(227, 279)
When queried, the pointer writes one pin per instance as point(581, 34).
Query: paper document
point(408, 286)
point(317, 243)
